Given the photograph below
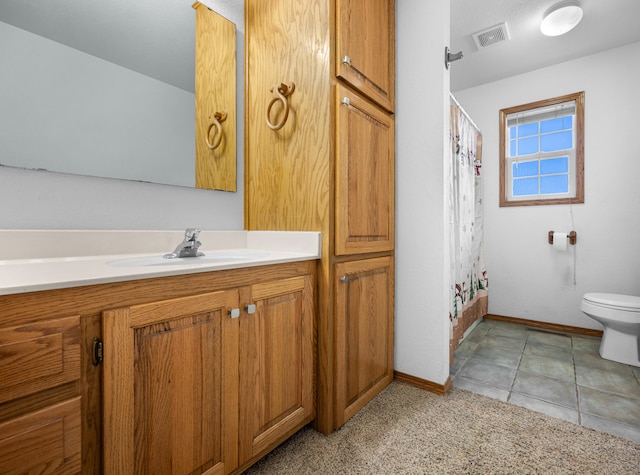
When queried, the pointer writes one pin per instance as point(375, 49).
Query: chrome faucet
point(188, 247)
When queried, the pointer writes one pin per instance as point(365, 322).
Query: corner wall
point(422, 244)
point(527, 278)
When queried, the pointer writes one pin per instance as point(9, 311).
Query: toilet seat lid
point(629, 302)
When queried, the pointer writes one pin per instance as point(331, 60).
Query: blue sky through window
point(554, 165)
point(554, 184)
point(540, 176)
point(553, 125)
point(523, 169)
point(549, 135)
point(525, 186)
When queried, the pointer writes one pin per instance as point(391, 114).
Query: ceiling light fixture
point(561, 18)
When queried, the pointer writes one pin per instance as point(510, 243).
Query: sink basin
point(210, 258)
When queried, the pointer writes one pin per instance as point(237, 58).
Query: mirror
point(101, 88)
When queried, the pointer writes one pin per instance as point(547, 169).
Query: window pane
point(554, 165)
point(554, 184)
point(512, 132)
point(528, 146)
point(528, 129)
point(512, 148)
point(567, 122)
point(552, 125)
point(525, 186)
point(525, 169)
point(556, 141)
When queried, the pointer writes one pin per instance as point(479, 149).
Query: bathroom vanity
point(111, 361)
point(109, 367)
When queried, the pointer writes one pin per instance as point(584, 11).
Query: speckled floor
point(535, 382)
point(561, 375)
point(407, 430)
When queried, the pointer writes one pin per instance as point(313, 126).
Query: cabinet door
point(44, 441)
point(215, 80)
point(365, 176)
point(170, 386)
point(364, 333)
point(276, 364)
point(365, 47)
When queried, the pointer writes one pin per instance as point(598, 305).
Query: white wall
point(527, 278)
point(67, 111)
point(42, 200)
point(422, 244)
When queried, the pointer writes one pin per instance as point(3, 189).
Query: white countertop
point(44, 260)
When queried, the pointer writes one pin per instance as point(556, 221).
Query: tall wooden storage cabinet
point(319, 156)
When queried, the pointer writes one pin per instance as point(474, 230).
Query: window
point(542, 152)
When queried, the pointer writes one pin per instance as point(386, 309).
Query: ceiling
point(606, 24)
point(157, 38)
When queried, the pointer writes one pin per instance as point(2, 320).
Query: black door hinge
point(96, 351)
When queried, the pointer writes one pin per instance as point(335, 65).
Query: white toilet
point(620, 316)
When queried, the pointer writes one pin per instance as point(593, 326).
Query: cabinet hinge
point(97, 351)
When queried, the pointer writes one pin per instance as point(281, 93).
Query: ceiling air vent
point(491, 36)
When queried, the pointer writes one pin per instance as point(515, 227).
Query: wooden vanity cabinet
point(208, 383)
point(195, 373)
point(331, 166)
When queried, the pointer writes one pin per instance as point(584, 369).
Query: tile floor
point(556, 373)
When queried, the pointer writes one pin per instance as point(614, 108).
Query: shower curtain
point(468, 277)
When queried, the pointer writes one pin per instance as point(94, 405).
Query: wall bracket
point(450, 57)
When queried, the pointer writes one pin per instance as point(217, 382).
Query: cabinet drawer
point(45, 441)
point(38, 356)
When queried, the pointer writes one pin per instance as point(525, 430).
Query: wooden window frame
point(578, 97)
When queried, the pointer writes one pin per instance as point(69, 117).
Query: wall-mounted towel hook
point(450, 57)
point(216, 120)
point(282, 93)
